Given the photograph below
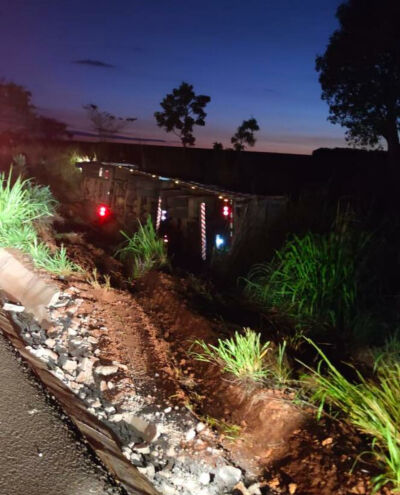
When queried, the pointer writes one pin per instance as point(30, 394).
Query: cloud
point(93, 63)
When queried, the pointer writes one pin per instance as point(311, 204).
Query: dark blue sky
point(254, 58)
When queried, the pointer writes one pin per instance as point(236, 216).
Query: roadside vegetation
point(371, 404)
point(315, 280)
point(245, 358)
point(23, 207)
point(143, 251)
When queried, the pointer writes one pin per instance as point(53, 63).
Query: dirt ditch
point(125, 353)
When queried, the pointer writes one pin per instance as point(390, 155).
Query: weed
point(94, 280)
point(282, 371)
point(22, 205)
point(243, 355)
point(313, 279)
point(57, 263)
point(228, 430)
point(371, 405)
point(144, 249)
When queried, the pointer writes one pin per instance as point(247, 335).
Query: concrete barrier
point(22, 285)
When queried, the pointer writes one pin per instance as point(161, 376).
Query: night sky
point(254, 58)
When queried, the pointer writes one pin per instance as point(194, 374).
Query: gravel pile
point(167, 444)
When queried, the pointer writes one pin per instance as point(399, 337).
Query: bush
point(22, 206)
point(315, 279)
point(371, 405)
point(144, 249)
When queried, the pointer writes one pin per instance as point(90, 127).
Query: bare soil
point(152, 326)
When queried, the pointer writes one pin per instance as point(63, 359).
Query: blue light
point(219, 241)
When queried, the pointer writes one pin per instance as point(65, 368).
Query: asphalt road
point(39, 454)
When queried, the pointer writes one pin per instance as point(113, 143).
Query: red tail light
point(103, 211)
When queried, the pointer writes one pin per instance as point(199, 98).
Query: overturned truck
point(194, 219)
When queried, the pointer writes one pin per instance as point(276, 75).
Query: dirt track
point(38, 453)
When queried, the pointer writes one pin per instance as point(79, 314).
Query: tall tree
point(244, 136)
point(360, 72)
point(19, 120)
point(16, 109)
point(181, 111)
point(106, 124)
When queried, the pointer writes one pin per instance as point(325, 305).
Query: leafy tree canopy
point(245, 134)
point(181, 111)
point(360, 72)
point(19, 119)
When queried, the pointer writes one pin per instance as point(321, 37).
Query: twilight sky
point(254, 58)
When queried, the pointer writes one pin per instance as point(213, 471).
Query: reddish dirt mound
point(151, 331)
point(276, 436)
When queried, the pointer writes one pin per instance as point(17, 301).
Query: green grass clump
point(315, 279)
point(371, 405)
point(57, 263)
point(22, 206)
point(243, 355)
point(144, 249)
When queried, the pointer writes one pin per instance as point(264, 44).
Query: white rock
point(190, 435)
point(72, 332)
point(200, 427)
point(13, 307)
point(127, 452)
point(48, 355)
point(116, 418)
point(150, 470)
point(167, 489)
point(167, 410)
point(87, 363)
point(228, 476)
point(106, 370)
point(50, 343)
point(142, 450)
point(75, 386)
point(171, 451)
point(70, 366)
point(109, 409)
point(204, 478)
point(86, 377)
point(96, 403)
point(254, 489)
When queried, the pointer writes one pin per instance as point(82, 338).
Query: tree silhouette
point(19, 120)
point(105, 124)
point(182, 110)
point(360, 72)
point(245, 134)
point(217, 146)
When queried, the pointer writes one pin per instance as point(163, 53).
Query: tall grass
point(371, 405)
point(22, 205)
point(144, 249)
point(314, 279)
